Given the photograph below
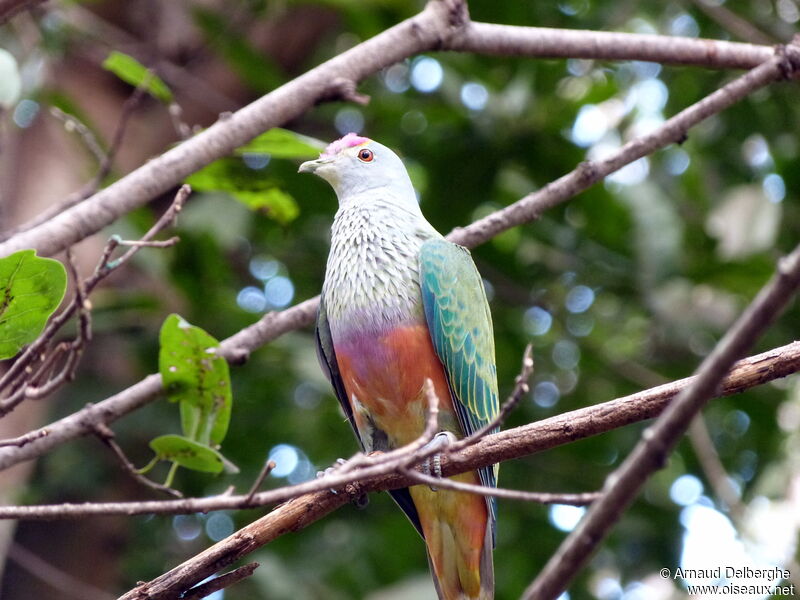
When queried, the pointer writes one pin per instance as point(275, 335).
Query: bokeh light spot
point(426, 74)
point(186, 527)
point(565, 517)
point(251, 299)
point(25, 112)
point(279, 292)
point(219, 525)
point(474, 96)
point(348, 120)
point(686, 490)
point(285, 457)
point(537, 321)
point(579, 299)
point(546, 394)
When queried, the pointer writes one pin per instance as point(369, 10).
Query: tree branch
point(299, 512)
point(505, 445)
point(291, 516)
point(219, 583)
point(671, 131)
point(623, 485)
point(543, 42)
point(426, 31)
point(442, 25)
point(237, 347)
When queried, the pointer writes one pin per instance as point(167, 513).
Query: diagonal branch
point(442, 25)
point(237, 347)
point(506, 445)
point(657, 442)
point(301, 511)
point(425, 31)
point(783, 65)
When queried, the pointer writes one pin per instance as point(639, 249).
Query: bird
point(400, 305)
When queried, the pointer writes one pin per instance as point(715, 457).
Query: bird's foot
point(433, 464)
point(360, 501)
point(320, 474)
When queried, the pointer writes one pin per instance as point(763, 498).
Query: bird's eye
point(365, 155)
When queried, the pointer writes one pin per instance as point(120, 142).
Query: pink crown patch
point(348, 141)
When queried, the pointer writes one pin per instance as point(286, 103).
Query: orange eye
point(365, 155)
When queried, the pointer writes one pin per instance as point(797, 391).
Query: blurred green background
point(625, 286)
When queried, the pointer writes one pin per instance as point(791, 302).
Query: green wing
point(460, 325)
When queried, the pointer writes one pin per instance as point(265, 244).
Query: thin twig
point(508, 444)
point(265, 470)
point(273, 325)
point(729, 20)
point(26, 439)
point(583, 499)
point(781, 66)
point(16, 377)
point(107, 436)
point(148, 244)
point(304, 510)
point(412, 453)
point(73, 123)
point(712, 466)
point(526, 209)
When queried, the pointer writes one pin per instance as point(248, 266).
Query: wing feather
point(460, 325)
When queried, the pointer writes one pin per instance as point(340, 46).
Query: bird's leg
point(433, 464)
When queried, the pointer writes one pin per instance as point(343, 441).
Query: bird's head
point(354, 165)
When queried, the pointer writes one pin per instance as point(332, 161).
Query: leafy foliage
point(239, 177)
point(282, 143)
point(32, 287)
point(662, 276)
point(135, 73)
point(187, 453)
point(198, 379)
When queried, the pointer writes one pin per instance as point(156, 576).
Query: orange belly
point(384, 376)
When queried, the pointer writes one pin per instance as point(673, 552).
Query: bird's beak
point(311, 166)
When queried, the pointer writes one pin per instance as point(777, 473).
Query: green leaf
point(188, 453)
point(282, 143)
point(276, 203)
point(135, 73)
point(32, 288)
point(225, 175)
point(194, 375)
point(232, 176)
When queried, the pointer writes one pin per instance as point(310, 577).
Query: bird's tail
point(458, 533)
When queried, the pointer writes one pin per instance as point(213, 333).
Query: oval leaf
point(233, 177)
point(194, 375)
point(32, 288)
point(132, 71)
point(282, 143)
point(188, 453)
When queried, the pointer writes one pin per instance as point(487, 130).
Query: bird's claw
point(433, 464)
point(320, 474)
point(357, 501)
